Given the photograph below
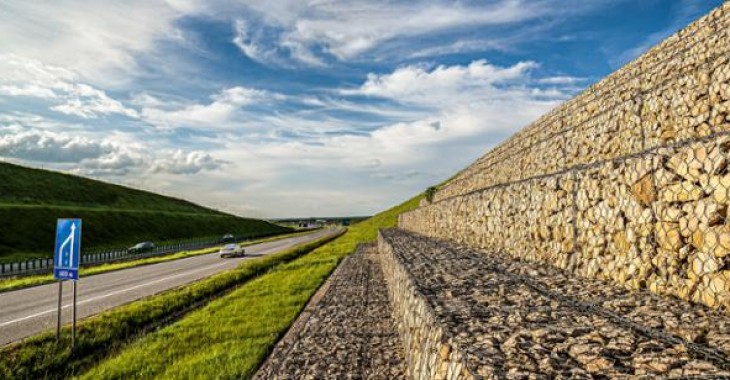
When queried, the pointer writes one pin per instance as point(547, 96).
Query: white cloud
point(220, 113)
point(51, 147)
point(24, 77)
point(437, 119)
point(179, 162)
point(350, 29)
point(121, 163)
point(112, 156)
point(99, 39)
point(561, 80)
point(31, 90)
point(251, 43)
point(445, 85)
point(315, 32)
point(242, 96)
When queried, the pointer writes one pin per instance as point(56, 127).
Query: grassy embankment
point(111, 331)
point(231, 336)
point(14, 283)
point(32, 199)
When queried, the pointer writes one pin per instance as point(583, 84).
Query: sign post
point(58, 324)
point(66, 260)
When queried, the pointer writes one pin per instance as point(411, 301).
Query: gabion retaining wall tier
point(627, 182)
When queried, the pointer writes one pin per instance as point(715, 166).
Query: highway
point(27, 312)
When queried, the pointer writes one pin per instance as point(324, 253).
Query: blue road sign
point(67, 255)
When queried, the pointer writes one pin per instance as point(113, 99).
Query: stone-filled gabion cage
point(628, 182)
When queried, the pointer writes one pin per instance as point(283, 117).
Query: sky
point(294, 108)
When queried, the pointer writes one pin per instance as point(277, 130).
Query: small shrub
point(430, 192)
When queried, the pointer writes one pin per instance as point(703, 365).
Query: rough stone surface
point(676, 91)
point(628, 182)
point(464, 313)
point(346, 332)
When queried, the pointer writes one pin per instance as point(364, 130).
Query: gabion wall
point(627, 182)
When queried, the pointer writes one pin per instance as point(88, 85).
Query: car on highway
point(142, 247)
point(232, 250)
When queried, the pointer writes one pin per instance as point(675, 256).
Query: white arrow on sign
point(69, 241)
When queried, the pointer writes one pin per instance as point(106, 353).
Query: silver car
point(232, 250)
point(141, 247)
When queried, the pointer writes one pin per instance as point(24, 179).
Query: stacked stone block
point(345, 332)
point(628, 182)
point(676, 91)
point(469, 314)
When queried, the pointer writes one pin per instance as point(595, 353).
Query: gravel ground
point(346, 332)
point(522, 320)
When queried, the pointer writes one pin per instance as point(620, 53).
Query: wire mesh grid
point(571, 195)
point(513, 319)
point(627, 103)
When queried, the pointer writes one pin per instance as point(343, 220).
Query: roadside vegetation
point(24, 185)
point(114, 216)
point(111, 331)
point(15, 283)
point(231, 336)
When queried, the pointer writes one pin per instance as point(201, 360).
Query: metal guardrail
point(93, 257)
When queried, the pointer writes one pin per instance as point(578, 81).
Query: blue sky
point(299, 108)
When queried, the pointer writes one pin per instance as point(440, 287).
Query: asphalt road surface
point(27, 312)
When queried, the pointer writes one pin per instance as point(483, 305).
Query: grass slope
point(23, 185)
point(98, 336)
point(32, 199)
point(231, 336)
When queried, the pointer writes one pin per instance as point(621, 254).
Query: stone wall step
point(345, 332)
point(469, 314)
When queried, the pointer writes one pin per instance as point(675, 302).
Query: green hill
point(32, 199)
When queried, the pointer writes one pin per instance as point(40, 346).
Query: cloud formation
point(297, 108)
point(98, 157)
point(444, 83)
point(317, 33)
point(98, 39)
point(220, 113)
point(179, 162)
point(25, 77)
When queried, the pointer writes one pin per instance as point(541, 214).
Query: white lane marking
point(92, 299)
point(125, 290)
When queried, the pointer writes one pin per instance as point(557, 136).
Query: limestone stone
point(643, 169)
point(715, 162)
point(644, 190)
point(681, 192)
point(688, 164)
point(720, 187)
point(668, 236)
point(703, 263)
point(716, 240)
point(496, 326)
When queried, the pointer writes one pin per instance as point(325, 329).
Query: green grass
point(14, 283)
point(32, 230)
point(23, 185)
point(231, 336)
point(99, 336)
point(114, 216)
